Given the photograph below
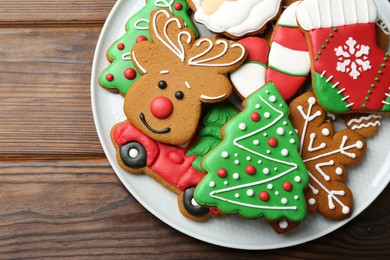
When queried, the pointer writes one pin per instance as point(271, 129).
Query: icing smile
point(162, 131)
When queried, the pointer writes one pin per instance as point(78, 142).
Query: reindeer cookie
point(235, 18)
point(179, 74)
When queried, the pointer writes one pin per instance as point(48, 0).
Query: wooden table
point(59, 197)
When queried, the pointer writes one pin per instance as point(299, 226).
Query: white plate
point(366, 181)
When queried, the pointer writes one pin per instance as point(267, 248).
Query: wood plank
point(45, 91)
point(78, 208)
point(54, 11)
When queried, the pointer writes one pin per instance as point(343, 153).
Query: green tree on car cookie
point(122, 73)
point(256, 170)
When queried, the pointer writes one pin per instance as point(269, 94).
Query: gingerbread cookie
point(363, 124)
point(121, 74)
point(350, 73)
point(180, 73)
point(234, 18)
point(256, 170)
point(326, 154)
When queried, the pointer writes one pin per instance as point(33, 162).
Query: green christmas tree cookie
point(256, 170)
point(122, 73)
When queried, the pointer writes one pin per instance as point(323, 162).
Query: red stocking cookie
point(350, 73)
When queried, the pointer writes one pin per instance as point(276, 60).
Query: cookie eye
point(162, 84)
point(179, 95)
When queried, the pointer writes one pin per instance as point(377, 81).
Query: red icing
point(222, 172)
point(287, 186)
point(257, 49)
point(255, 117)
point(120, 46)
point(109, 77)
point(292, 38)
point(273, 142)
point(175, 157)
point(264, 196)
point(161, 107)
point(287, 85)
point(250, 169)
point(130, 73)
point(356, 89)
point(178, 6)
point(141, 38)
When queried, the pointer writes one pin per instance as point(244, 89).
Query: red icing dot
point(273, 142)
point(250, 169)
point(222, 172)
point(264, 196)
point(178, 6)
point(130, 73)
point(255, 116)
point(287, 186)
point(120, 46)
point(141, 39)
point(109, 77)
point(161, 107)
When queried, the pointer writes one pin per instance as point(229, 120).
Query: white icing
point(308, 118)
point(242, 126)
point(140, 27)
point(288, 15)
point(256, 142)
point(212, 184)
point(272, 99)
point(194, 203)
point(248, 158)
point(225, 154)
point(267, 115)
point(266, 171)
point(270, 186)
point(280, 131)
point(319, 166)
point(164, 72)
point(284, 201)
point(288, 60)
point(362, 118)
point(310, 147)
point(236, 176)
point(238, 17)
point(284, 152)
point(212, 98)
point(311, 201)
point(376, 123)
point(133, 153)
point(187, 84)
point(283, 224)
point(314, 14)
point(250, 193)
point(139, 66)
point(325, 132)
point(292, 141)
point(248, 78)
point(297, 179)
point(237, 162)
point(339, 171)
point(236, 195)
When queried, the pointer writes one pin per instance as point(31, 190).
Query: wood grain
point(45, 91)
point(38, 12)
point(78, 208)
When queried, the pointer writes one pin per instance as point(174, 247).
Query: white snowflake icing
point(353, 58)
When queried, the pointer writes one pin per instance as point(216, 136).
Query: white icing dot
point(325, 132)
point(257, 106)
point(256, 142)
point(276, 168)
point(267, 91)
point(265, 134)
point(267, 115)
point(237, 162)
point(296, 197)
point(276, 193)
point(266, 171)
point(280, 131)
point(236, 195)
point(281, 105)
point(359, 144)
point(272, 99)
point(242, 126)
point(212, 184)
point(236, 155)
point(285, 123)
point(268, 151)
point(345, 210)
point(270, 186)
point(236, 176)
point(339, 171)
point(291, 132)
point(284, 201)
point(248, 158)
point(250, 192)
point(259, 161)
point(226, 182)
point(194, 203)
point(292, 141)
point(312, 100)
point(297, 179)
point(133, 153)
point(332, 206)
point(312, 201)
point(284, 152)
point(283, 224)
point(225, 154)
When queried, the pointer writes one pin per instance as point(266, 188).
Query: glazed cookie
point(350, 73)
point(363, 124)
point(235, 18)
point(121, 74)
point(326, 154)
point(179, 74)
point(256, 170)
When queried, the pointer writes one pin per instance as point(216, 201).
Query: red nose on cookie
point(161, 107)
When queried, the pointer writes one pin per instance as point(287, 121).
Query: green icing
point(210, 134)
point(328, 95)
point(386, 108)
point(137, 26)
point(255, 168)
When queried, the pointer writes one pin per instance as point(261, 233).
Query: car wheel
point(191, 206)
point(133, 155)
